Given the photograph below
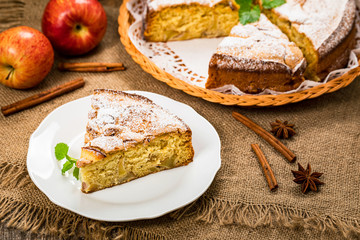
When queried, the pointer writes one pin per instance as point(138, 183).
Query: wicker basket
point(125, 20)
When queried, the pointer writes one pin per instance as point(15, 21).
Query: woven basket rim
point(124, 21)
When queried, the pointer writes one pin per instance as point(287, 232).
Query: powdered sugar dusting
point(319, 19)
point(158, 4)
point(118, 120)
point(261, 41)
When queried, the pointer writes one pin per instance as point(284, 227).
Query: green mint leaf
point(249, 16)
point(269, 4)
point(61, 149)
point(76, 173)
point(70, 159)
point(66, 167)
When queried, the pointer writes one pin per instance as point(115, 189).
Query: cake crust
point(337, 57)
point(262, 75)
point(343, 31)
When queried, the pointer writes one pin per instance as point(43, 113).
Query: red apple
point(74, 27)
point(26, 57)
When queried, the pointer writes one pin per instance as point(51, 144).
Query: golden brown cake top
point(263, 42)
point(325, 22)
point(156, 5)
point(119, 120)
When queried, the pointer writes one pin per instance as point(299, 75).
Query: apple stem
point(10, 72)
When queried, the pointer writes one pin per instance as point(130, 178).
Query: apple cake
point(169, 20)
point(323, 29)
point(128, 137)
point(256, 57)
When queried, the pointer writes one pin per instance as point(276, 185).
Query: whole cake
point(128, 137)
point(256, 57)
point(168, 20)
point(324, 30)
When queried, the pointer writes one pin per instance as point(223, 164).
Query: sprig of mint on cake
point(61, 152)
point(249, 12)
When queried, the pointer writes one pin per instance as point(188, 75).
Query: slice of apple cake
point(128, 137)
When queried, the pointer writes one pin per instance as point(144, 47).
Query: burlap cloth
point(238, 204)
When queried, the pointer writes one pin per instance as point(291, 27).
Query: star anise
point(307, 180)
point(282, 129)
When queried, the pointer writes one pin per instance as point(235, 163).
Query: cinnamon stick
point(289, 155)
point(269, 175)
point(42, 97)
point(91, 67)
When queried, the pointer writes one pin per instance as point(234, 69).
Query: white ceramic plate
point(147, 197)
